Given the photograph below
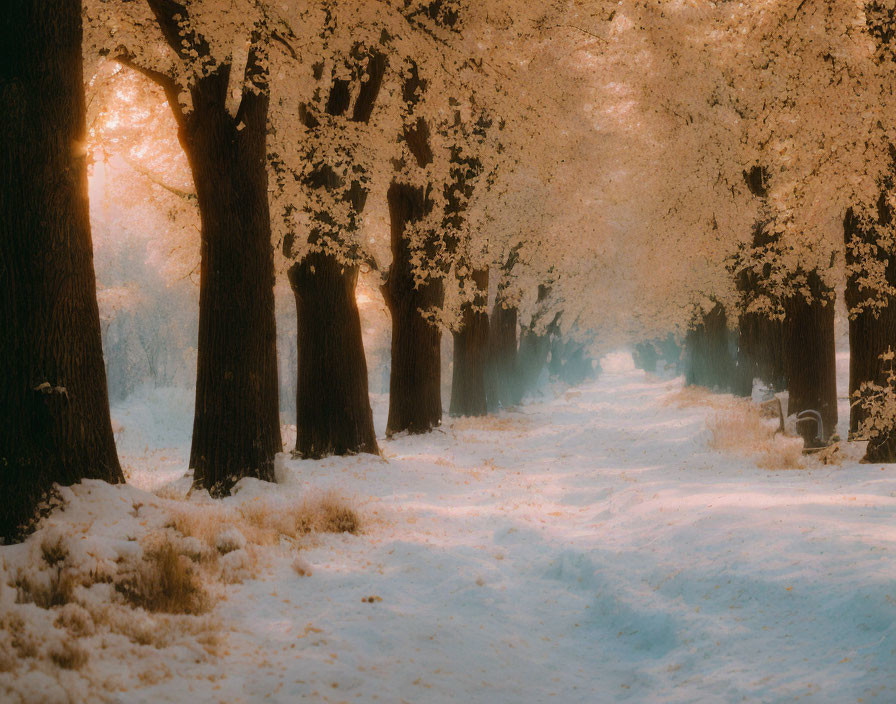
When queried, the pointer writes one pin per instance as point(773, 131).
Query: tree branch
point(189, 196)
point(163, 80)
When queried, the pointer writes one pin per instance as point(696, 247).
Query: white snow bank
point(590, 548)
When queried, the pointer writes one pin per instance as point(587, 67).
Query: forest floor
point(589, 547)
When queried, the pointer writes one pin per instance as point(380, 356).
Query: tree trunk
point(533, 356)
point(55, 411)
point(236, 429)
point(645, 356)
point(709, 359)
point(503, 372)
point(872, 316)
point(809, 355)
point(761, 337)
point(415, 398)
point(468, 396)
point(333, 415)
point(577, 367)
point(761, 345)
point(558, 351)
point(742, 381)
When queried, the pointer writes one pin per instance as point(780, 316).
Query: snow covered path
point(585, 549)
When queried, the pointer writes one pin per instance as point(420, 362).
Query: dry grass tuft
point(69, 655)
point(501, 422)
point(738, 430)
point(783, 453)
point(832, 455)
point(741, 430)
point(166, 581)
point(54, 550)
point(46, 589)
point(263, 521)
point(334, 515)
point(693, 396)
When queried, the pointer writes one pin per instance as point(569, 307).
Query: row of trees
point(631, 167)
point(781, 118)
point(290, 115)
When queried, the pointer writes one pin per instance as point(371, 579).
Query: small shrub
point(54, 550)
point(166, 581)
point(230, 540)
point(76, 620)
point(69, 655)
point(338, 517)
point(782, 453)
point(738, 430)
point(693, 396)
point(742, 431)
point(57, 591)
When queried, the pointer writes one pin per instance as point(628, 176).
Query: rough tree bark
point(55, 412)
point(468, 397)
point(333, 413)
point(503, 365)
point(761, 342)
point(872, 316)
point(415, 398)
point(236, 428)
point(809, 357)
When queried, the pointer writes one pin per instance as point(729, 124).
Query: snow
point(588, 547)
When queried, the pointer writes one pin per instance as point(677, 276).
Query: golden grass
point(740, 430)
point(502, 422)
point(165, 581)
point(46, 589)
point(162, 595)
point(693, 396)
point(263, 521)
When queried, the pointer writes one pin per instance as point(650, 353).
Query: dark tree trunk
point(536, 346)
point(761, 346)
point(872, 317)
point(468, 396)
point(577, 367)
point(555, 363)
point(645, 356)
point(742, 381)
point(809, 357)
point(761, 337)
point(670, 353)
point(533, 356)
point(236, 430)
point(333, 415)
point(55, 424)
point(503, 373)
point(709, 361)
point(415, 397)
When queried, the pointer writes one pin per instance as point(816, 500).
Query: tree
point(708, 356)
point(870, 295)
point(415, 400)
point(869, 232)
point(236, 430)
point(468, 388)
point(332, 403)
point(56, 426)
